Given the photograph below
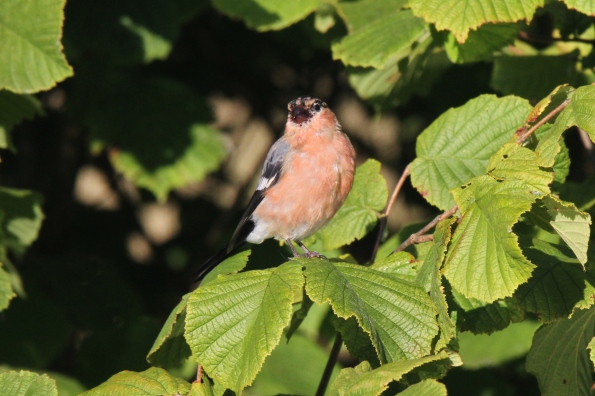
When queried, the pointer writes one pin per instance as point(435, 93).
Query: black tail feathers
point(214, 260)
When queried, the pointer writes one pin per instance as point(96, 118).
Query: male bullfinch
point(305, 179)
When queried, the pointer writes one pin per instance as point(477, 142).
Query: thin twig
point(545, 119)
point(420, 236)
point(542, 39)
point(199, 374)
point(384, 219)
point(330, 365)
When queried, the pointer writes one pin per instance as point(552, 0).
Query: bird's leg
point(295, 253)
point(309, 253)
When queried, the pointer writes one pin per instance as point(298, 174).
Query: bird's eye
point(317, 107)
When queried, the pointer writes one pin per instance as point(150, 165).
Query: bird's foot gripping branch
point(512, 244)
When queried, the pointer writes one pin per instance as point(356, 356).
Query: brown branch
point(526, 36)
point(545, 119)
point(420, 236)
point(384, 219)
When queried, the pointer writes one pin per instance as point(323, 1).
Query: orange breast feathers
point(317, 177)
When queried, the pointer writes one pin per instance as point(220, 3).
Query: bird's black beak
point(299, 114)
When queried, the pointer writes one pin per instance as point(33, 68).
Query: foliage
point(489, 96)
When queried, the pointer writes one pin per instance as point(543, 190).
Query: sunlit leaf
point(357, 14)
point(460, 16)
point(485, 260)
point(431, 278)
point(481, 43)
point(513, 162)
point(568, 222)
point(362, 380)
point(584, 6)
point(457, 146)
point(265, 15)
point(30, 48)
point(425, 388)
point(26, 383)
point(398, 315)
point(373, 44)
point(152, 382)
point(234, 322)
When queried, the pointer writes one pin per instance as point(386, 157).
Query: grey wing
point(271, 173)
point(273, 165)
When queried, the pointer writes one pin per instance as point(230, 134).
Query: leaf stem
point(420, 236)
point(384, 219)
point(330, 365)
point(545, 119)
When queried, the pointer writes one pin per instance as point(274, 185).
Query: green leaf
point(479, 351)
point(457, 146)
point(481, 43)
point(263, 15)
point(162, 142)
point(513, 162)
point(579, 112)
point(26, 383)
point(375, 43)
point(362, 380)
point(6, 291)
point(298, 316)
point(356, 340)
point(357, 14)
point(398, 315)
point(583, 109)
point(401, 264)
point(584, 6)
point(170, 347)
point(406, 74)
point(484, 260)
point(425, 388)
point(431, 278)
point(122, 32)
point(591, 347)
point(20, 218)
point(152, 382)
point(563, 368)
point(533, 77)
point(482, 318)
point(230, 265)
point(30, 49)
point(558, 284)
point(234, 322)
point(360, 212)
point(460, 16)
point(572, 225)
point(15, 108)
point(581, 194)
